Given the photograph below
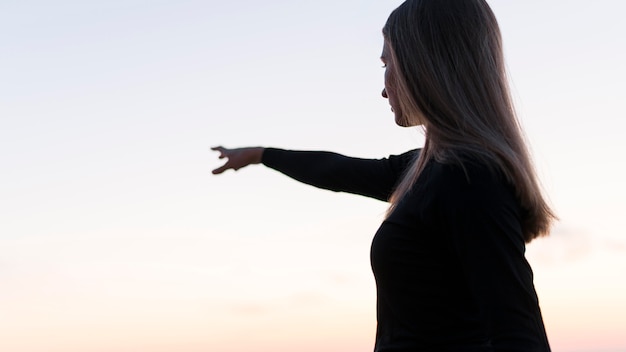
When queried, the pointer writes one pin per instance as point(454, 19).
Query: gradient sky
point(114, 236)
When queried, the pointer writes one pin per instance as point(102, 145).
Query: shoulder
point(467, 185)
point(472, 200)
point(404, 159)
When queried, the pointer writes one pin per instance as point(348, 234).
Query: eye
point(384, 66)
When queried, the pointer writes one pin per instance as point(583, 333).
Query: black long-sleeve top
point(448, 261)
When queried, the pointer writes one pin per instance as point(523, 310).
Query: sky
point(114, 235)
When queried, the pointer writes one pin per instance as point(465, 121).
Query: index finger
point(220, 169)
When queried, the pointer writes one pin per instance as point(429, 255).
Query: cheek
point(390, 83)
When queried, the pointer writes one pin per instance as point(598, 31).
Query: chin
point(402, 121)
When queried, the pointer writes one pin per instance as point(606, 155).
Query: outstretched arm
point(375, 178)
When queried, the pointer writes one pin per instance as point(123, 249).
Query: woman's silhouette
point(449, 257)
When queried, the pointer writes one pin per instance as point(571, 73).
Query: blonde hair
point(450, 74)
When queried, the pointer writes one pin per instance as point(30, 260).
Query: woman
point(449, 257)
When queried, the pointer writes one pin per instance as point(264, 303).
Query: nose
point(385, 93)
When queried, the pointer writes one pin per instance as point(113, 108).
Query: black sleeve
point(375, 178)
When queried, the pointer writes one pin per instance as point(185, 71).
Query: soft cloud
point(615, 244)
point(564, 245)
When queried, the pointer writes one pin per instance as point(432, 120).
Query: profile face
point(390, 92)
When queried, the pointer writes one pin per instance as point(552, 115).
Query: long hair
point(450, 74)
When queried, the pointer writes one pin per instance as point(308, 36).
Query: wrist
point(257, 155)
